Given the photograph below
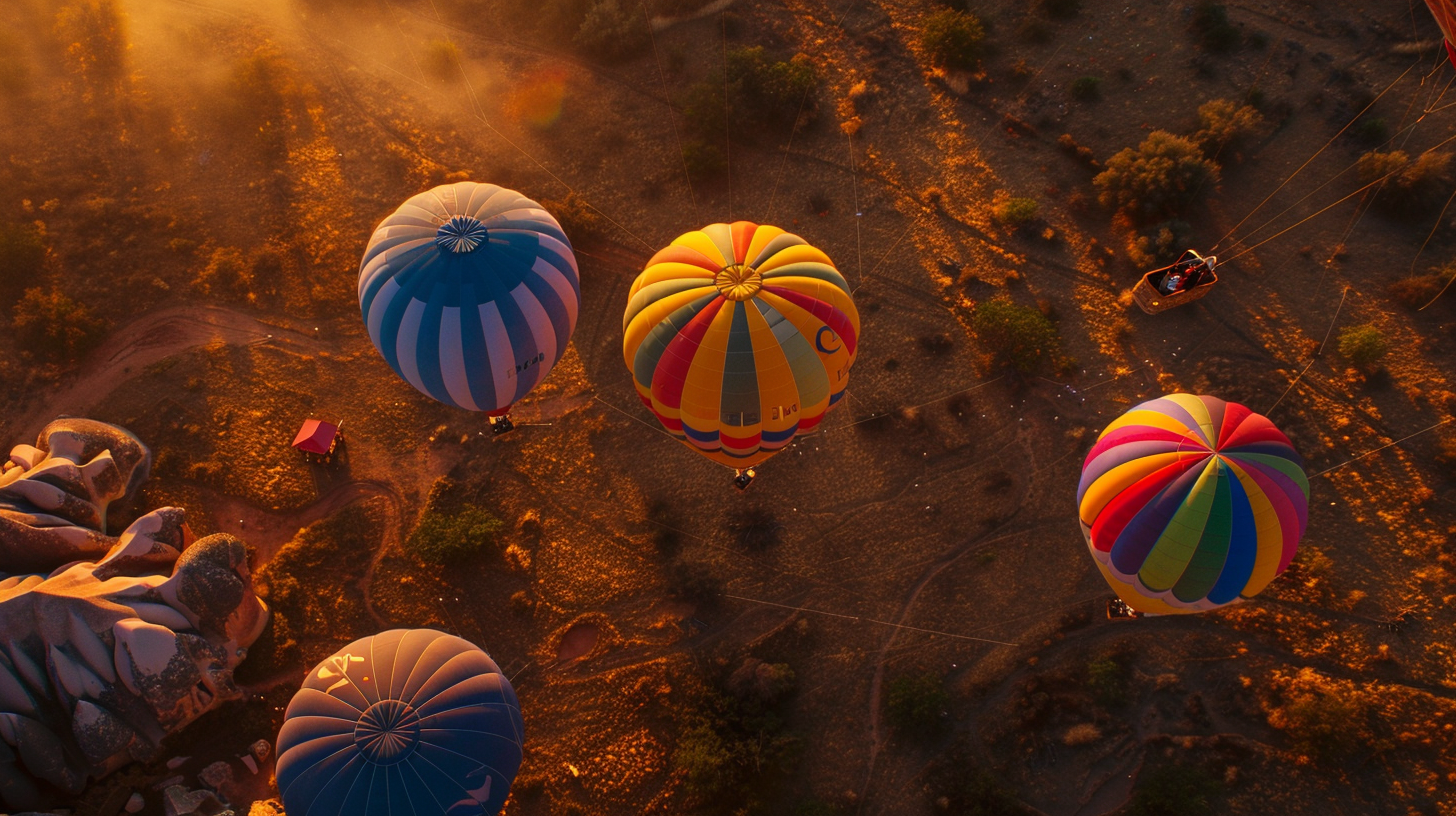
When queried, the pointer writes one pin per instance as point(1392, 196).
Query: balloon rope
point(886, 256)
point(1451, 273)
point(1383, 447)
point(1318, 351)
point(854, 184)
point(634, 418)
point(1312, 158)
point(869, 620)
point(671, 117)
point(784, 162)
point(1343, 199)
point(727, 114)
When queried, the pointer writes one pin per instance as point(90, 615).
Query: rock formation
point(107, 644)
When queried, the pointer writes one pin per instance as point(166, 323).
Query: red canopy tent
point(317, 437)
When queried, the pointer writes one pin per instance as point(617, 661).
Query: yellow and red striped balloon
point(1189, 503)
point(739, 338)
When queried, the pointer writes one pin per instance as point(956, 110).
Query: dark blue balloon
point(409, 722)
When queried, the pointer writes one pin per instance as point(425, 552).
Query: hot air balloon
point(739, 338)
point(470, 291)
point(1445, 13)
point(409, 722)
point(1189, 503)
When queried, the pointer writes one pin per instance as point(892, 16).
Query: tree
point(952, 39)
point(1018, 336)
point(52, 325)
point(1161, 175)
point(1224, 125)
point(610, 33)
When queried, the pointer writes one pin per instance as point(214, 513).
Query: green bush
point(1157, 178)
point(450, 528)
point(1160, 244)
point(1212, 29)
point(1087, 89)
point(1410, 187)
point(735, 747)
point(704, 161)
point(915, 703)
point(1175, 790)
point(609, 33)
point(1372, 131)
point(769, 90)
point(1018, 336)
point(1017, 212)
point(1225, 125)
point(442, 60)
point(1107, 680)
point(1362, 345)
point(22, 258)
point(53, 326)
point(952, 39)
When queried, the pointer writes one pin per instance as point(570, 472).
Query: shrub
point(1225, 125)
point(1157, 178)
point(52, 325)
point(952, 39)
point(915, 703)
point(734, 748)
point(1372, 131)
point(226, 274)
point(1410, 187)
point(610, 33)
point(1212, 29)
point(703, 160)
point(578, 220)
point(22, 257)
point(1018, 336)
point(769, 90)
point(442, 59)
point(1081, 734)
point(450, 530)
point(957, 786)
point(1175, 790)
point(703, 111)
point(1107, 680)
point(1087, 89)
point(1159, 244)
point(1362, 345)
point(1017, 212)
point(1415, 292)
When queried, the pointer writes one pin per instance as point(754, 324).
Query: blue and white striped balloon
point(470, 291)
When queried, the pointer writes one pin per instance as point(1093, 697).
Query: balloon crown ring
point(738, 281)
point(460, 234)
point(387, 732)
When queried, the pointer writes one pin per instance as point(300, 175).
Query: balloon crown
point(460, 235)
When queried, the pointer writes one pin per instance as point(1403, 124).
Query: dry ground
point(928, 528)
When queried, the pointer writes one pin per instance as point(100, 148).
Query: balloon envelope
point(1189, 503)
point(1445, 13)
point(740, 337)
point(470, 291)
point(407, 722)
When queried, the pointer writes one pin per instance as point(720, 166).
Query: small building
point(317, 440)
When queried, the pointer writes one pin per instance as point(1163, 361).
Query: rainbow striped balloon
point(1189, 503)
point(739, 338)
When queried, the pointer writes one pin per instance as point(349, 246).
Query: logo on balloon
point(819, 340)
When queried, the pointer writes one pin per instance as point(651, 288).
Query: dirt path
point(129, 350)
